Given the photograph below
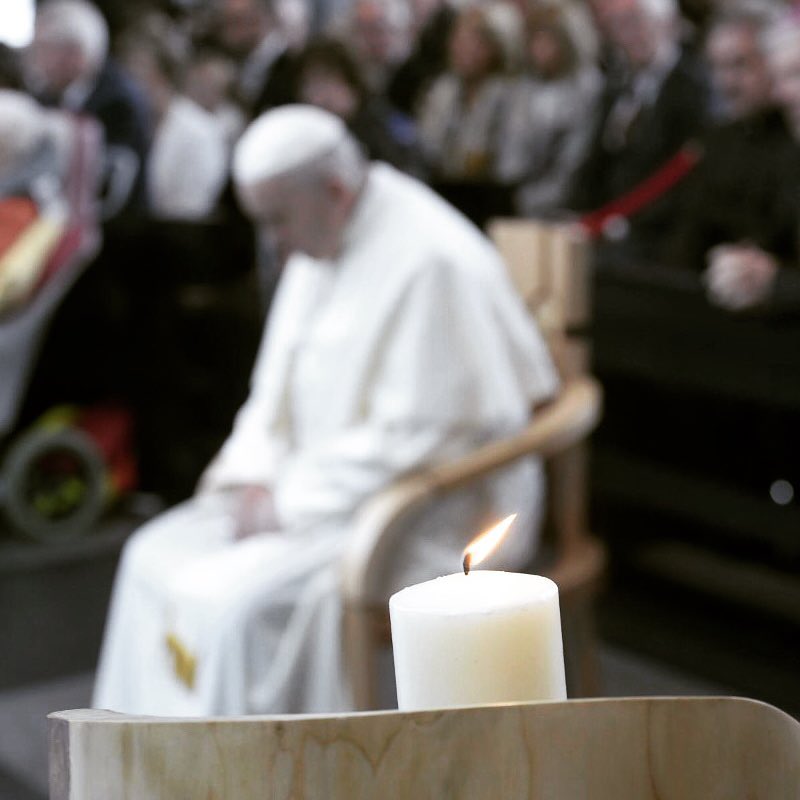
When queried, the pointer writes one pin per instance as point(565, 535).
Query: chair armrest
point(378, 525)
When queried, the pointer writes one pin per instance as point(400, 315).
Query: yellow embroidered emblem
point(184, 663)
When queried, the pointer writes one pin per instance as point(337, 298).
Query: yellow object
point(58, 417)
point(185, 664)
point(22, 264)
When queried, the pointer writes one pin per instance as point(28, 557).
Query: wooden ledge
point(718, 748)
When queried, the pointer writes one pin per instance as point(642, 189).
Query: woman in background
point(552, 106)
point(188, 163)
point(329, 77)
point(461, 119)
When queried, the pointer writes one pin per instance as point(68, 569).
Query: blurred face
point(328, 90)
point(422, 11)
point(739, 70)
point(143, 68)
point(545, 52)
point(471, 51)
point(630, 29)
point(52, 64)
point(295, 20)
point(297, 215)
point(242, 25)
point(208, 82)
point(784, 61)
point(375, 38)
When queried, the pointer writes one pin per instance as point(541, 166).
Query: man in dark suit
point(251, 33)
point(735, 194)
point(70, 68)
point(755, 268)
point(654, 103)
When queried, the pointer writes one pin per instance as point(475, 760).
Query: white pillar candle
point(485, 637)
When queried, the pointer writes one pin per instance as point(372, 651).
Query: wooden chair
point(633, 749)
point(549, 267)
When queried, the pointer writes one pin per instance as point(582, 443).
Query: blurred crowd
point(670, 133)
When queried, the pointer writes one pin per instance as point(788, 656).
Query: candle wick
point(467, 562)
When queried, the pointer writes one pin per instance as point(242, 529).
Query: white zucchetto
point(284, 139)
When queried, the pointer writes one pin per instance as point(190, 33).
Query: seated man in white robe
point(395, 341)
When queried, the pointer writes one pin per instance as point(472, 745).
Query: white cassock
point(412, 347)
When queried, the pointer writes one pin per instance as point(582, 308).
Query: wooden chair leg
point(359, 657)
point(580, 647)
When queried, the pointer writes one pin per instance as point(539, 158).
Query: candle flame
point(482, 546)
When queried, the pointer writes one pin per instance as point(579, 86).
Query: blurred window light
point(16, 22)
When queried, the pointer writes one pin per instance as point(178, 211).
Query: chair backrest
point(631, 749)
point(549, 265)
point(548, 262)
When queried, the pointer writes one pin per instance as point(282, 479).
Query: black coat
point(279, 85)
point(122, 109)
point(675, 117)
point(746, 189)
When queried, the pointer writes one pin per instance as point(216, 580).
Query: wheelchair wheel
point(54, 485)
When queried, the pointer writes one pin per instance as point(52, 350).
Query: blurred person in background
point(329, 77)
point(396, 341)
point(764, 273)
point(188, 163)
point(23, 134)
point(252, 34)
point(50, 162)
point(86, 356)
point(187, 272)
point(378, 32)
point(552, 108)
point(34, 148)
point(431, 24)
point(654, 103)
point(209, 80)
point(696, 16)
point(10, 68)
point(749, 152)
point(734, 49)
point(68, 66)
point(461, 120)
point(297, 19)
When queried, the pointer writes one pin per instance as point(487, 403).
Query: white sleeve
point(258, 442)
point(249, 455)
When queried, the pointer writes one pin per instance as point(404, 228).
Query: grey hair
point(783, 30)
point(345, 161)
point(665, 10)
point(23, 124)
point(758, 15)
point(76, 22)
point(397, 15)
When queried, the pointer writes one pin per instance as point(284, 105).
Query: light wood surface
point(548, 264)
point(634, 749)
